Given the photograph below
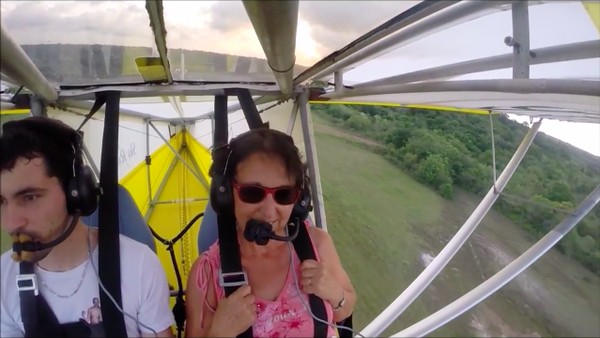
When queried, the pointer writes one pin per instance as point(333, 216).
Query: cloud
point(123, 23)
point(228, 16)
point(335, 24)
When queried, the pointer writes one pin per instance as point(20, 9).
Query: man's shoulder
point(131, 246)
point(6, 260)
point(134, 252)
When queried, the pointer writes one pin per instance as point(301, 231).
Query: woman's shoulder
point(321, 238)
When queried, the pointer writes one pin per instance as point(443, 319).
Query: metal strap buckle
point(227, 279)
point(27, 282)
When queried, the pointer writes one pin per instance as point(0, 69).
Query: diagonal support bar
point(313, 163)
point(505, 275)
point(387, 317)
point(18, 67)
point(275, 24)
point(567, 52)
point(400, 21)
point(183, 161)
point(157, 22)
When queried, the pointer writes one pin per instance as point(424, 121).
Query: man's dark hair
point(54, 141)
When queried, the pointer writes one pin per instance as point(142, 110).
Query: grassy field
point(386, 226)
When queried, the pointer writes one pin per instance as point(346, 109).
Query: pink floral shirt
point(284, 317)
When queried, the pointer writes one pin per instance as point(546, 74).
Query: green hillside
point(450, 151)
point(386, 225)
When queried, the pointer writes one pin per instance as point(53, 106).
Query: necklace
point(76, 289)
point(87, 262)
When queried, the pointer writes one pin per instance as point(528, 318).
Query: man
point(38, 161)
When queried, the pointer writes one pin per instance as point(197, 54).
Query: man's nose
point(12, 219)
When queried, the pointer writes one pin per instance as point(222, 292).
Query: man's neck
point(71, 252)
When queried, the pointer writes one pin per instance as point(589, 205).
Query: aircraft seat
point(208, 233)
point(131, 221)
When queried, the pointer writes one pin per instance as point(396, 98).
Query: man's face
point(32, 202)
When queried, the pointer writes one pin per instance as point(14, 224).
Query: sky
point(323, 27)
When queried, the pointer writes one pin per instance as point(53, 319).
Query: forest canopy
point(450, 151)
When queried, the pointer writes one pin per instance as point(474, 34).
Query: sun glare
point(306, 47)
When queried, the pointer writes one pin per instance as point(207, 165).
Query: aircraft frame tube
point(313, 163)
point(163, 182)
point(275, 24)
point(18, 66)
point(450, 17)
point(157, 23)
point(292, 120)
point(410, 16)
point(395, 309)
point(176, 153)
point(508, 273)
point(522, 86)
point(521, 53)
point(566, 52)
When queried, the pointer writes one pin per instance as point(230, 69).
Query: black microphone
point(23, 246)
point(261, 232)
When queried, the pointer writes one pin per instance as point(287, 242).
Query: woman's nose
point(269, 207)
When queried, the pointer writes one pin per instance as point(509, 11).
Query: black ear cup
point(304, 204)
point(221, 197)
point(82, 192)
point(88, 191)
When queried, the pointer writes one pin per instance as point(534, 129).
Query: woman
point(272, 302)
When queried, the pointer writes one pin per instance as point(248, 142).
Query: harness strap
point(28, 290)
point(109, 262)
point(38, 318)
point(304, 250)
point(231, 276)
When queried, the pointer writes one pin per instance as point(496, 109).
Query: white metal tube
point(338, 80)
point(520, 23)
point(454, 15)
point(157, 22)
point(17, 66)
point(505, 275)
point(292, 120)
point(567, 52)
point(313, 163)
point(197, 175)
point(275, 24)
point(410, 16)
point(397, 307)
point(522, 86)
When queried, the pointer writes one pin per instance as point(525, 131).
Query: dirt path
point(332, 130)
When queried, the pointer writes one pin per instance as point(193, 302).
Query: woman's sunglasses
point(255, 194)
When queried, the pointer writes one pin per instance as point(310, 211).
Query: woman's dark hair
point(264, 141)
point(54, 141)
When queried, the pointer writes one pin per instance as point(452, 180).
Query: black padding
point(82, 189)
point(221, 195)
point(303, 206)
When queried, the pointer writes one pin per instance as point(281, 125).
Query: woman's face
point(266, 171)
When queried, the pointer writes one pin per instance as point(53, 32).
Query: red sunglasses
point(253, 194)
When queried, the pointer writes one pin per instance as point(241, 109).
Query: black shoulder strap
point(304, 250)
point(231, 275)
point(109, 262)
point(28, 290)
point(38, 318)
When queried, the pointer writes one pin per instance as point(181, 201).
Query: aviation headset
point(221, 192)
point(81, 189)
